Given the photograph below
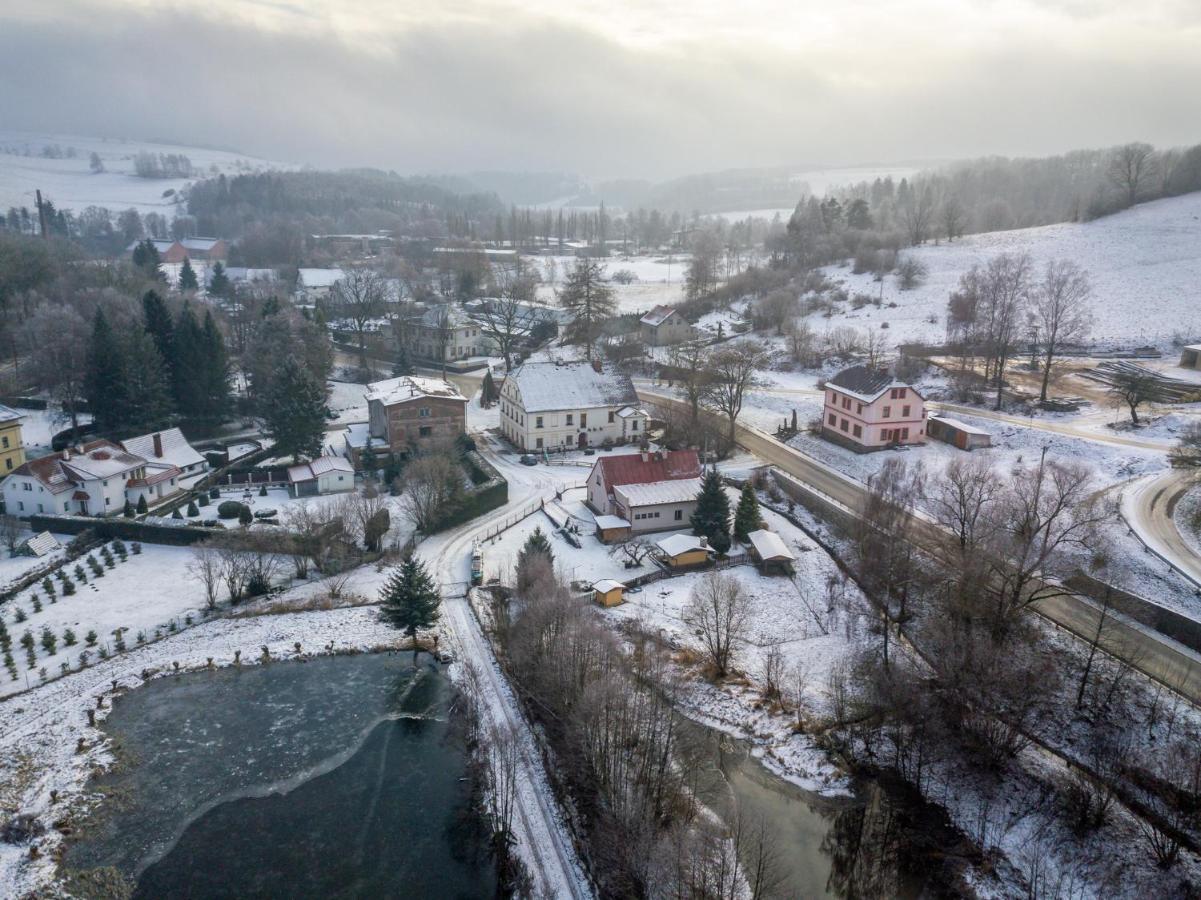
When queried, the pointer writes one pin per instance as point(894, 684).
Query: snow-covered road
point(1147, 505)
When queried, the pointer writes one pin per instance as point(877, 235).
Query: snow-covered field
point(70, 183)
point(659, 279)
point(1145, 265)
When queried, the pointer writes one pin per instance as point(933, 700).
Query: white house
point(664, 325)
point(315, 284)
point(652, 491)
point(552, 405)
point(323, 475)
point(167, 448)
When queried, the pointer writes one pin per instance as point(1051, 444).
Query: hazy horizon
point(643, 90)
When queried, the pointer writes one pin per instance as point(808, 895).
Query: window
point(583, 420)
point(887, 411)
point(679, 514)
point(538, 444)
point(904, 434)
point(538, 422)
point(27, 486)
point(40, 508)
point(67, 506)
point(857, 431)
point(5, 441)
point(570, 417)
point(846, 402)
point(858, 409)
point(634, 425)
point(656, 515)
point(105, 483)
point(610, 417)
point(833, 419)
point(896, 394)
point(20, 506)
point(108, 501)
point(8, 462)
point(425, 431)
point(844, 425)
point(424, 412)
point(886, 434)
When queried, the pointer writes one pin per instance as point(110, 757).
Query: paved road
point(1147, 506)
point(1152, 653)
point(540, 828)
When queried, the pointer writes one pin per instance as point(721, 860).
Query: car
point(445, 656)
point(528, 460)
point(590, 451)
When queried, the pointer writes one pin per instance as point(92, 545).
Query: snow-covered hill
point(1145, 265)
point(70, 183)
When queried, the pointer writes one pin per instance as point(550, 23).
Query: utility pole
point(42, 216)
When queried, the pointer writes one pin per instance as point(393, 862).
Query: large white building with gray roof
point(557, 406)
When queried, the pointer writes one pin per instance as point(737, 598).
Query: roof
point(679, 490)
point(607, 584)
point(199, 243)
point(41, 544)
point(546, 386)
point(444, 315)
point(769, 545)
point(631, 468)
point(627, 412)
point(411, 387)
point(958, 425)
point(611, 522)
point(105, 461)
point(658, 316)
point(312, 278)
point(862, 381)
point(160, 245)
point(8, 414)
point(357, 435)
point(675, 544)
point(322, 465)
point(176, 449)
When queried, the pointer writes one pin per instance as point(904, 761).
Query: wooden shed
point(1190, 356)
point(957, 434)
point(612, 529)
point(770, 552)
point(682, 551)
point(608, 592)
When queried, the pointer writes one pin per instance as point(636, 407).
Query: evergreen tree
point(142, 507)
point(534, 544)
point(590, 300)
point(104, 379)
point(409, 600)
point(156, 319)
point(712, 515)
point(219, 283)
point(295, 410)
point(146, 385)
point(489, 394)
point(369, 462)
point(403, 365)
point(190, 367)
point(746, 516)
point(146, 257)
point(187, 277)
point(215, 383)
point(127, 512)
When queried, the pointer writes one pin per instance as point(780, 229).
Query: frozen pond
point(341, 776)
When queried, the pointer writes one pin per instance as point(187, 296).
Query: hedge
point(126, 529)
point(492, 493)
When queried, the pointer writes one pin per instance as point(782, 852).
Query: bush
point(203, 500)
point(263, 491)
point(231, 509)
point(90, 638)
point(214, 493)
point(68, 587)
point(244, 515)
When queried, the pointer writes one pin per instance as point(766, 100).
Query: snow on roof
point(658, 316)
point(611, 522)
point(627, 412)
point(41, 544)
point(357, 435)
point(411, 387)
point(8, 414)
point(632, 468)
point(176, 449)
point(101, 462)
point(862, 381)
point(160, 245)
point(675, 544)
point(607, 584)
point(199, 243)
point(444, 315)
point(546, 386)
point(958, 425)
point(313, 278)
point(322, 465)
point(769, 545)
point(677, 490)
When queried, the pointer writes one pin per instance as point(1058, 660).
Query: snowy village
point(443, 527)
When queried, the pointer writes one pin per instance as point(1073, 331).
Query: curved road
point(1154, 654)
point(1147, 507)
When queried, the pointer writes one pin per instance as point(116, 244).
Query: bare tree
point(735, 370)
point(505, 320)
point(360, 298)
point(10, 532)
point(719, 610)
point(1131, 168)
point(432, 482)
point(963, 500)
point(917, 212)
point(875, 347)
point(56, 337)
point(1061, 312)
point(952, 219)
point(634, 551)
point(1135, 386)
point(206, 567)
point(985, 312)
point(911, 272)
point(1187, 452)
point(690, 370)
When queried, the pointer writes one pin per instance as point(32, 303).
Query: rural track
point(1147, 506)
point(1155, 655)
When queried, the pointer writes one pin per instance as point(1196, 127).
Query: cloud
point(486, 85)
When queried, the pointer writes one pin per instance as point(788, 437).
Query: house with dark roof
point(650, 491)
point(664, 325)
point(559, 405)
point(870, 409)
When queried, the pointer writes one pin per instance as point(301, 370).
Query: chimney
point(645, 456)
point(158, 445)
point(596, 365)
point(66, 453)
point(704, 542)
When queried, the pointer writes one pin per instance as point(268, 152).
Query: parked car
point(264, 514)
point(529, 460)
point(445, 656)
point(590, 451)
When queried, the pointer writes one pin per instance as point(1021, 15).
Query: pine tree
point(215, 382)
point(294, 410)
point(403, 365)
point(536, 543)
point(746, 516)
point(219, 283)
point(187, 277)
point(369, 461)
point(489, 394)
point(589, 299)
point(409, 600)
point(104, 378)
point(190, 368)
point(146, 385)
point(146, 257)
point(142, 507)
point(156, 319)
point(127, 512)
point(712, 516)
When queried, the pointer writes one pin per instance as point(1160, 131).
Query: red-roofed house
point(652, 491)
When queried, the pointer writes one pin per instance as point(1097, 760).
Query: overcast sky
point(607, 87)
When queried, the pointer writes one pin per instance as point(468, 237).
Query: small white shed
point(323, 475)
